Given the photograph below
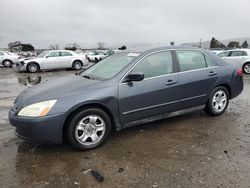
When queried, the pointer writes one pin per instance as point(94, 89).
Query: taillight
point(239, 72)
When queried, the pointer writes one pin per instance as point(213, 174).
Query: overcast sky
point(116, 22)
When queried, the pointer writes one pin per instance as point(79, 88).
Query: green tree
point(233, 44)
point(216, 44)
point(244, 44)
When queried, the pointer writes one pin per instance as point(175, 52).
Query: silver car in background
point(55, 59)
point(238, 56)
point(7, 59)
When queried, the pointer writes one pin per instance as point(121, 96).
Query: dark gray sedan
point(123, 90)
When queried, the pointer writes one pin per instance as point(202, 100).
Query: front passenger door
point(156, 94)
point(51, 60)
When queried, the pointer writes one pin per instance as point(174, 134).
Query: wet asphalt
point(191, 150)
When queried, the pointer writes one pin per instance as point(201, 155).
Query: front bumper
point(46, 129)
point(20, 67)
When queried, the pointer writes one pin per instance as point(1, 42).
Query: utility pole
point(200, 43)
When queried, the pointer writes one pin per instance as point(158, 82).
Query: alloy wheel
point(247, 68)
point(219, 101)
point(90, 130)
point(7, 63)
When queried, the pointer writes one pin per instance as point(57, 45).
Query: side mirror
point(46, 56)
point(134, 76)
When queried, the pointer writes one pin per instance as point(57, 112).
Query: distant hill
point(206, 44)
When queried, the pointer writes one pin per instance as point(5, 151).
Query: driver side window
point(157, 64)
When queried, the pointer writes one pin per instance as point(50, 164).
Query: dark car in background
point(121, 91)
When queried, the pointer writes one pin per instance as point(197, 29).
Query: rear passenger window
point(66, 54)
point(191, 60)
point(238, 53)
point(157, 64)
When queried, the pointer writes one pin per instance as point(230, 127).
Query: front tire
point(7, 63)
point(33, 67)
point(246, 68)
point(88, 129)
point(218, 101)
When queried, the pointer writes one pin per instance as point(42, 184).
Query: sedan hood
point(28, 59)
point(59, 88)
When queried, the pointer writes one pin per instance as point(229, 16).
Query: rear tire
point(218, 101)
point(77, 65)
point(246, 68)
point(7, 63)
point(33, 67)
point(88, 129)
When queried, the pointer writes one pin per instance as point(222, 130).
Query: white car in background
point(55, 59)
point(216, 52)
point(98, 55)
point(239, 56)
point(7, 59)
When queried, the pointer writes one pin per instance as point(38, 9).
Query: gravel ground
point(191, 150)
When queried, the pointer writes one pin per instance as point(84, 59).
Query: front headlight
point(38, 109)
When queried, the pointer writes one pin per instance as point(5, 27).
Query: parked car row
point(97, 56)
point(54, 59)
point(238, 56)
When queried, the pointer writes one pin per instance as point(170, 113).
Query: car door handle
point(171, 82)
point(212, 73)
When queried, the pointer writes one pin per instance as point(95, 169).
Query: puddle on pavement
point(192, 150)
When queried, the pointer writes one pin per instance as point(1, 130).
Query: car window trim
point(175, 61)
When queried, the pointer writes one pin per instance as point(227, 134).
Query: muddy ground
point(192, 150)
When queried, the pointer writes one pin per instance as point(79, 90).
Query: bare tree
point(101, 45)
point(54, 47)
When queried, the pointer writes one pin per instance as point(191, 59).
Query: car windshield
point(110, 66)
point(42, 54)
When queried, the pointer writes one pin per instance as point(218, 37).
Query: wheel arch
point(227, 86)
point(7, 60)
point(77, 60)
point(82, 107)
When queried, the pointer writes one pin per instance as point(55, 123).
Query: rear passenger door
point(238, 56)
point(198, 73)
point(66, 59)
